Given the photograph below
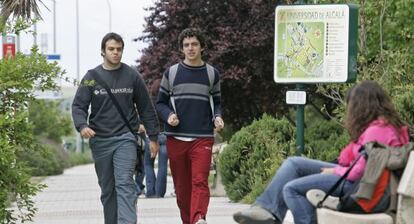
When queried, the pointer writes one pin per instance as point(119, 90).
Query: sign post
point(314, 44)
point(9, 46)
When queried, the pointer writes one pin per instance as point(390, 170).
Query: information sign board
point(315, 43)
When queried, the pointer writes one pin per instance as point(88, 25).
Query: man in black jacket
point(113, 146)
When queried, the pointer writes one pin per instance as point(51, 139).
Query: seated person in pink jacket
point(370, 116)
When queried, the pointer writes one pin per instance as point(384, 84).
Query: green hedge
point(44, 161)
point(404, 104)
point(255, 152)
point(324, 139)
point(253, 155)
point(51, 159)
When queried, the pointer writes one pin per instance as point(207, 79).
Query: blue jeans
point(139, 180)
point(156, 185)
point(288, 188)
point(115, 159)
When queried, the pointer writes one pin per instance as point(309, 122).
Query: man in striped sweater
point(189, 102)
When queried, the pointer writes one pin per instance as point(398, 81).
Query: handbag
point(349, 203)
point(140, 141)
point(341, 180)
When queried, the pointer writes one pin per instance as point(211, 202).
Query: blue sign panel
point(53, 56)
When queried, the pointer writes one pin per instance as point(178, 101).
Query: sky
point(94, 22)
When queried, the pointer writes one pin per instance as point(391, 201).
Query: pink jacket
point(379, 131)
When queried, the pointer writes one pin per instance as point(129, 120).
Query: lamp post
point(54, 30)
point(78, 137)
point(54, 26)
point(77, 40)
point(110, 15)
point(34, 34)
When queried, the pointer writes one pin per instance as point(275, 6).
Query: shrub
point(227, 132)
point(405, 105)
point(49, 158)
point(253, 155)
point(19, 76)
point(43, 161)
point(80, 158)
point(48, 120)
point(324, 139)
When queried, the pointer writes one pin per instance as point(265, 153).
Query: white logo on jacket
point(114, 91)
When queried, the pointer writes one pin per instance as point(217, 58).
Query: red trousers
point(190, 167)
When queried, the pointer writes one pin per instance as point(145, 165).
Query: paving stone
point(73, 198)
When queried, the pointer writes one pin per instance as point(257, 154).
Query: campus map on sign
point(301, 53)
point(315, 43)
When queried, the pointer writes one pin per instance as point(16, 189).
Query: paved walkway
point(73, 198)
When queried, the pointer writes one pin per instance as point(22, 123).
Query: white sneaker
point(201, 221)
point(315, 196)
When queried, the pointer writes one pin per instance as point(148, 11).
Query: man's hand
point(87, 132)
point(173, 120)
point(141, 129)
point(219, 123)
point(327, 170)
point(154, 148)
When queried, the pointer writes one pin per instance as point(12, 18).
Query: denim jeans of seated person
point(289, 186)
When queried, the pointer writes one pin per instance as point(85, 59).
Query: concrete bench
point(405, 209)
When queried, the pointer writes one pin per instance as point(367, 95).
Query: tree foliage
point(18, 15)
point(20, 8)
point(386, 53)
point(48, 120)
point(252, 156)
point(19, 76)
point(240, 45)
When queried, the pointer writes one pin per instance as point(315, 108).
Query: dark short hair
point(111, 36)
point(191, 32)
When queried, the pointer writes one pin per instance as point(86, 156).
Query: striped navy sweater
point(191, 91)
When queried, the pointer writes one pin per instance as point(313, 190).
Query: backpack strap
point(172, 73)
point(362, 153)
point(210, 73)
